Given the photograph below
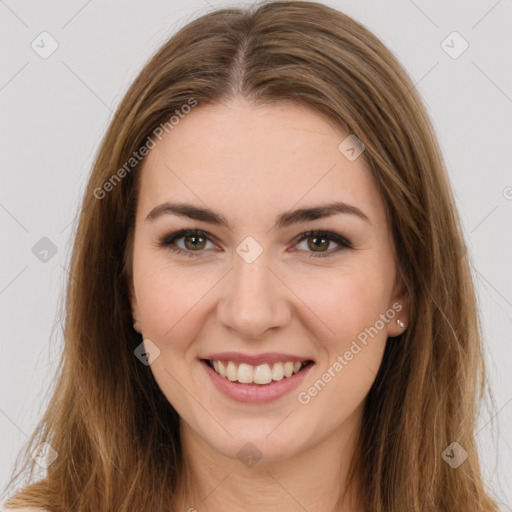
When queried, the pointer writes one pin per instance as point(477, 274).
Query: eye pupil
point(323, 244)
point(194, 244)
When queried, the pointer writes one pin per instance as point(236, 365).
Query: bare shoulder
point(3, 508)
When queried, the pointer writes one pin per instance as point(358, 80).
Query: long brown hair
point(116, 435)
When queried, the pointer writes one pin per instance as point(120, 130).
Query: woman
point(270, 304)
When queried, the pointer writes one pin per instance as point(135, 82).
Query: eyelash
point(168, 241)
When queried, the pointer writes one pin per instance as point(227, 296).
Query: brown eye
point(319, 243)
point(194, 242)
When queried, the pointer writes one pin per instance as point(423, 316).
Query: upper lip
point(255, 359)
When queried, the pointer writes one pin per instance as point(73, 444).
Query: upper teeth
point(261, 374)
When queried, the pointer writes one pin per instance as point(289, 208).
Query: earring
point(136, 326)
point(400, 323)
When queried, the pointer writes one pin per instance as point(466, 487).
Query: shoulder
point(3, 508)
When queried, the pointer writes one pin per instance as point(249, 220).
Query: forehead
point(261, 157)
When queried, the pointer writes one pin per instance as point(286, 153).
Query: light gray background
point(54, 113)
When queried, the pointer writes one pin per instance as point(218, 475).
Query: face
point(262, 290)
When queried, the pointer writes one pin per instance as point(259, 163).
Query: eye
point(319, 240)
point(195, 241)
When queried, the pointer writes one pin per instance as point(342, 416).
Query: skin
point(252, 163)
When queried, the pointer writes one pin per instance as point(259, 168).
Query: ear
point(137, 324)
point(399, 305)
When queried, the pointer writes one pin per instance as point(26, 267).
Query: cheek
point(170, 300)
point(346, 302)
point(351, 306)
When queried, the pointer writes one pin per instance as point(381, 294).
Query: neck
point(314, 479)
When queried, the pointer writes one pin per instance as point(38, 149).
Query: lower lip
point(255, 393)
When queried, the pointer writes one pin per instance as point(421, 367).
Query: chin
point(258, 441)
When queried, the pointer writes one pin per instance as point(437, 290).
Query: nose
point(254, 299)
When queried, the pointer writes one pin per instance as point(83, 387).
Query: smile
point(255, 379)
point(261, 374)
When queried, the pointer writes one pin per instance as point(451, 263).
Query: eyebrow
point(283, 220)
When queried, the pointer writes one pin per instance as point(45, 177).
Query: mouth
point(262, 374)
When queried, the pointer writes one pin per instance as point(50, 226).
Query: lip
point(255, 359)
point(256, 393)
